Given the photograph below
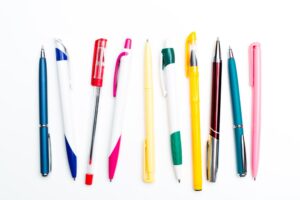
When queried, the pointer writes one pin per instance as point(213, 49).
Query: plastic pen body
point(169, 80)
point(43, 102)
point(121, 78)
point(193, 75)
point(65, 88)
point(149, 121)
point(237, 117)
point(255, 83)
point(96, 82)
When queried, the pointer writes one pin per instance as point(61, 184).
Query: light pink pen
point(255, 83)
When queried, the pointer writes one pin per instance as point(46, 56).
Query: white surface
point(26, 25)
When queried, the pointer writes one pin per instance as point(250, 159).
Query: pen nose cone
point(217, 57)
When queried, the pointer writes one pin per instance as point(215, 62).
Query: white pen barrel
point(66, 101)
point(120, 101)
point(172, 105)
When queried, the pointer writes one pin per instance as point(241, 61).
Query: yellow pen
point(192, 73)
point(149, 140)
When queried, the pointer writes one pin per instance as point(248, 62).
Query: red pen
point(96, 82)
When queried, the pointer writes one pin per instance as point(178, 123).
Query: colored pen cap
point(190, 45)
point(98, 62)
point(254, 59)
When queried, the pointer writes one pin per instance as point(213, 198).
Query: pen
point(213, 138)
point(255, 83)
point(149, 140)
point(45, 142)
point(168, 83)
point(237, 117)
point(191, 67)
point(96, 82)
point(65, 88)
point(119, 94)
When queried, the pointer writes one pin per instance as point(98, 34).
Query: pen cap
point(189, 45)
point(98, 62)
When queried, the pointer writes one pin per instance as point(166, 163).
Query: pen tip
point(74, 178)
point(254, 178)
point(218, 39)
point(42, 52)
point(110, 180)
point(178, 180)
point(147, 40)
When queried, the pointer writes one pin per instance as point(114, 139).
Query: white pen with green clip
point(168, 85)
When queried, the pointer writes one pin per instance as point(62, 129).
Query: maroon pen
point(213, 138)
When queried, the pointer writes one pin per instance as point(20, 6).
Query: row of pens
point(168, 70)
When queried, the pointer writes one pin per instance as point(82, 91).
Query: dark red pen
point(213, 138)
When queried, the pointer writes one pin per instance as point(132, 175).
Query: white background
point(26, 25)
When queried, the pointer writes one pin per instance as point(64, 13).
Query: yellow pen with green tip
point(191, 67)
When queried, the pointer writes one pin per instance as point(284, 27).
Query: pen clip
point(189, 41)
point(117, 67)
point(161, 75)
point(50, 152)
point(251, 65)
point(254, 59)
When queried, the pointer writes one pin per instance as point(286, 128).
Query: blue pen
point(45, 151)
point(66, 90)
point(237, 117)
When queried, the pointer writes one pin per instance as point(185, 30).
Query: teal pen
point(237, 117)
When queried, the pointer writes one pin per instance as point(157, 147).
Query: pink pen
point(255, 83)
point(119, 94)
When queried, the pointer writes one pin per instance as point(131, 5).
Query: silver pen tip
point(217, 57)
point(147, 40)
point(230, 52)
point(42, 52)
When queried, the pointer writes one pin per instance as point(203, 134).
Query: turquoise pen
point(237, 117)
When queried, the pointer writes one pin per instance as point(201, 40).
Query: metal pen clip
point(50, 152)
point(244, 158)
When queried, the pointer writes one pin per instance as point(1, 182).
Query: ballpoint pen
point(237, 117)
point(255, 83)
point(96, 82)
point(168, 83)
point(45, 143)
point(149, 140)
point(191, 67)
point(119, 94)
point(65, 88)
point(213, 138)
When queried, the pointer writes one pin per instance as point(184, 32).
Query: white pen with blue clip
point(65, 88)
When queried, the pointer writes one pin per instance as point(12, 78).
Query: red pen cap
point(98, 62)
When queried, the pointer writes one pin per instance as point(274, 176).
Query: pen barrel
point(235, 94)
point(173, 112)
point(216, 96)
point(256, 122)
point(213, 139)
point(65, 89)
point(237, 118)
point(44, 151)
point(195, 126)
point(43, 97)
